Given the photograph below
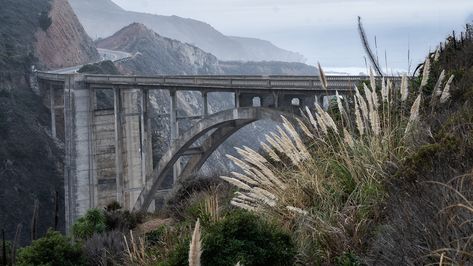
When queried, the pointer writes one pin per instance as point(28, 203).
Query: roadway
point(105, 54)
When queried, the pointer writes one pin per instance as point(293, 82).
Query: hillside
point(102, 18)
point(64, 43)
point(262, 50)
point(47, 34)
point(266, 68)
point(155, 54)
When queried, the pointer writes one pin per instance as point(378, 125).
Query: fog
point(326, 30)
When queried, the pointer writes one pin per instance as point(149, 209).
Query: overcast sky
point(317, 28)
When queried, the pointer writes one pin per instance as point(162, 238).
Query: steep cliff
point(155, 54)
point(102, 18)
point(47, 34)
point(62, 42)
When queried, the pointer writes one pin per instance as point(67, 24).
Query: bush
point(105, 249)
point(45, 21)
point(117, 219)
point(244, 237)
point(53, 249)
point(92, 222)
point(5, 253)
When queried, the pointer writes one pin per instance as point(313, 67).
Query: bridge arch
point(225, 123)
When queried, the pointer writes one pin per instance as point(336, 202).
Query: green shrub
point(51, 250)
point(44, 20)
point(92, 222)
point(244, 237)
point(5, 253)
point(347, 259)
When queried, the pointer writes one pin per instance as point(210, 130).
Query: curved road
point(105, 54)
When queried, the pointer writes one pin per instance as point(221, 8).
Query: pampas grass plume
point(195, 249)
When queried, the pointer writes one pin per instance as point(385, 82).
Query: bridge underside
point(223, 125)
point(104, 122)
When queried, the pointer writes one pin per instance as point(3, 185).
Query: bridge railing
point(225, 82)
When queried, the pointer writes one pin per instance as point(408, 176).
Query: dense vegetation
point(104, 67)
point(385, 181)
point(16, 43)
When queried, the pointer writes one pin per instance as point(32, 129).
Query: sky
point(326, 30)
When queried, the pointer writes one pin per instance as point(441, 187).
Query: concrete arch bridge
point(104, 122)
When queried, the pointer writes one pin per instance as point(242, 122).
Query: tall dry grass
point(322, 177)
point(458, 250)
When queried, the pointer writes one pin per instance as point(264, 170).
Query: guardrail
point(222, 82)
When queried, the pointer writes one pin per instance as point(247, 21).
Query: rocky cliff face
point(64, 42)
point(155, 54)
point(45, 33)
point(102, 18)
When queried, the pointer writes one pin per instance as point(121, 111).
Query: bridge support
point(205, 103)
point(52, 98)
point(174, 131)
point(108, 154)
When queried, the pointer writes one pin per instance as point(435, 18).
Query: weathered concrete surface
point(226, 122)
point(106, 128)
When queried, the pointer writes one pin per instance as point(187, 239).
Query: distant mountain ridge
point(102, 18)
point(158, 55)
point(155, 54)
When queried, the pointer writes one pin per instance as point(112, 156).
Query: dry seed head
point(375, 123)
point(304, 128)
point(384, 91)
point(404, 88)
point(359, 120)
point(245, 179)
point(236, 182)
point(348, 138)
point(311, 118)
point(321, 123)
point(243, 206)
point(446, 91)
point(362, 103)
point(369, 97)
point(270, 152)
point(425, 74)
point(437, 91)
point(437, 55)
point(297, 210)
point(326, 118)
point(372, 80)
point(195, 249)
point(323, 78)
point(339, 103)
point(414, 117)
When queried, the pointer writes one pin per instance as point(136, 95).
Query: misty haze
point(237, 132)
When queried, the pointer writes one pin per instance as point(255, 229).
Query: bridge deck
point(301, 84)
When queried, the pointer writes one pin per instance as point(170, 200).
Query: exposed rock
point(155, 54)
point(64, 43)
point(102, 18)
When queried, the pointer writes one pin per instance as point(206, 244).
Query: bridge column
point(52, 98)
point(144, 128)
point(237, 99)
point(205, 103)
point(174, 132)
point(78, 178)
point(276, 99)
point(117, 106)
point(320, 100)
